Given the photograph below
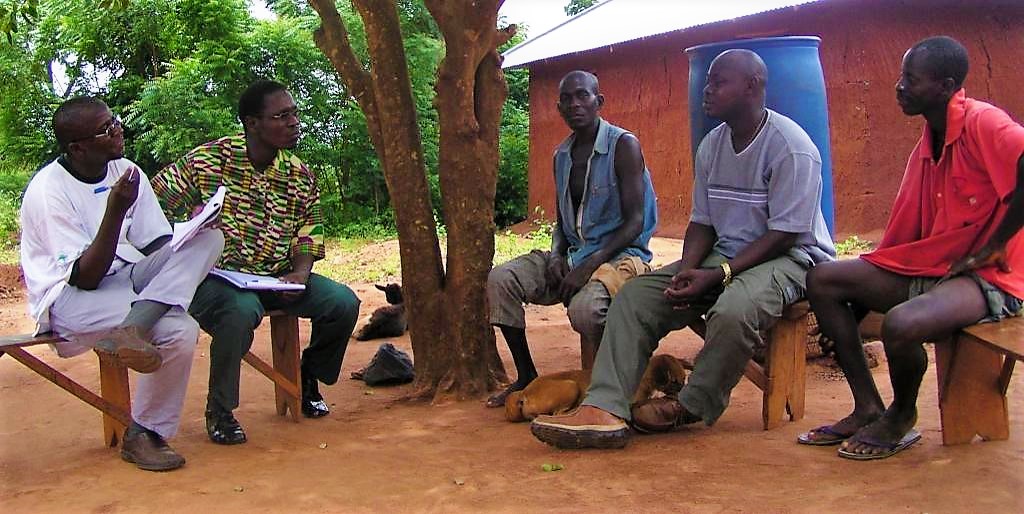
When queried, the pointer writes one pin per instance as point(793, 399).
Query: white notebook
point(188, 229)
point(255, 282)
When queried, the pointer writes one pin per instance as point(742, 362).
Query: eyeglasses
point(113, 127)
point(284, 115)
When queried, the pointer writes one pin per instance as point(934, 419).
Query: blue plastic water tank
point(796, 88)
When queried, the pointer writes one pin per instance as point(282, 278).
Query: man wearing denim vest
point(606, 216)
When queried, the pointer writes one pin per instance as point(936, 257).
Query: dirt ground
point(374, 454)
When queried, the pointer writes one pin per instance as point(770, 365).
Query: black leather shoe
point(223, 428)
point(313, 405)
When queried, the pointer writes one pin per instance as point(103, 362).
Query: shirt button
point(939, 195)
point(972, 200)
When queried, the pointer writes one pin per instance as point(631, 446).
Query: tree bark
point(453, 343)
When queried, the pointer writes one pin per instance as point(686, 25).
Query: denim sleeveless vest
point(601, 211)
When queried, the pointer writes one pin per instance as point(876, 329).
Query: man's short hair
point(252, 100)
point(590, 78)
point(944, 57)
point(66, 118)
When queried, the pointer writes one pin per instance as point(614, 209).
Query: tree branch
point(332, 39)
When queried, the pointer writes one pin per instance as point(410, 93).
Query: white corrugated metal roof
point(615, 21)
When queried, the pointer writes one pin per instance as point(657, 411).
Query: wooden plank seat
point(114, 399)
point(973, 370)
point(783, 377)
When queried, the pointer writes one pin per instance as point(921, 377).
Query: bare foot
point(837, 432)
point(498, 399)
point(882, 435)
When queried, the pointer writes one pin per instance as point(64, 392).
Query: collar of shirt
point(600, 142)
point(956, 114)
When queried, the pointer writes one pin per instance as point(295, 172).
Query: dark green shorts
point(1000, 303)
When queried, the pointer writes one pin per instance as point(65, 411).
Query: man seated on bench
point(944, 261)
point(755, 229)
point(99, 272)
point(606, 212)
point(271, 220)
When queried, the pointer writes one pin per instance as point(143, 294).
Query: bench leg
point(284, 339)
point(117, 411)
point(971, 400)
point(798, 386)
point(785, 368)
point(114, 388)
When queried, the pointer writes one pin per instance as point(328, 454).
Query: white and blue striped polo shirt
point(773, 184)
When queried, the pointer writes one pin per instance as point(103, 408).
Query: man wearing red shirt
point(946, 257)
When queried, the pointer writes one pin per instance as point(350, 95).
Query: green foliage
point(853, 245)
point(196, 99)
point(514, 152)
point(26, 103)
point(575, 7)
point(508, 246)
point(173, 69)
point(15, 13)
point(361, 260)
point(513, 146)
point(13, 179)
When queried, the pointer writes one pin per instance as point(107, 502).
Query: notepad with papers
point(255, 282)
point(185, 231)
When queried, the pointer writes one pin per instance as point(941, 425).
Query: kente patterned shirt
point(267, 218)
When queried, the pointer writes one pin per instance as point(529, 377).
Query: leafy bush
point(514, 148)
point(853, 245)
point(13, 179)
point(508, 246)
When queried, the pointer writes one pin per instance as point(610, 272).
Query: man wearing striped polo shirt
point(755, 229)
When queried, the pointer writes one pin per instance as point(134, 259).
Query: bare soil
point(377, 454)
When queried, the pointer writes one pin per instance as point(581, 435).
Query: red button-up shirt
point(948, 209)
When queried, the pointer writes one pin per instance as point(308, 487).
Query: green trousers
point(230, 315)
point(640, 316)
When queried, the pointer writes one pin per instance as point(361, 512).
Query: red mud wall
point(645, 88)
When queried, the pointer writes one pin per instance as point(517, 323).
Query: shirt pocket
point(974, 198)
point(603, 203)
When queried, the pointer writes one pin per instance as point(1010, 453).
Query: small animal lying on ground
point(386, 321)
point(561, 392)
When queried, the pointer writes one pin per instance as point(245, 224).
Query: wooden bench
point(973, 370)
point(114, 400)
point(783, 377)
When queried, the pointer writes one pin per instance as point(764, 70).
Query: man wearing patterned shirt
point(272, 225)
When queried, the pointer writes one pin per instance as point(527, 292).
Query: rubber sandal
point(813, 437)
point(891, 449)
point(498, 399)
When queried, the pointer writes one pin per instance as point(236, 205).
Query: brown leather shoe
point(149, 451)
point(662, 414)
point(585, 427)
point(131, 348)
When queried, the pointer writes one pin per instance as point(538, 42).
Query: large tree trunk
point(452, 341)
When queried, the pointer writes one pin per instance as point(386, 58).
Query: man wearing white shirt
point(99, 274)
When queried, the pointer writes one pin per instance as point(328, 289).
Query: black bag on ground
point(389, 366)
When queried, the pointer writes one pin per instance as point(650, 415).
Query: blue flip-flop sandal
point(812, 437)
point(891, 449)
